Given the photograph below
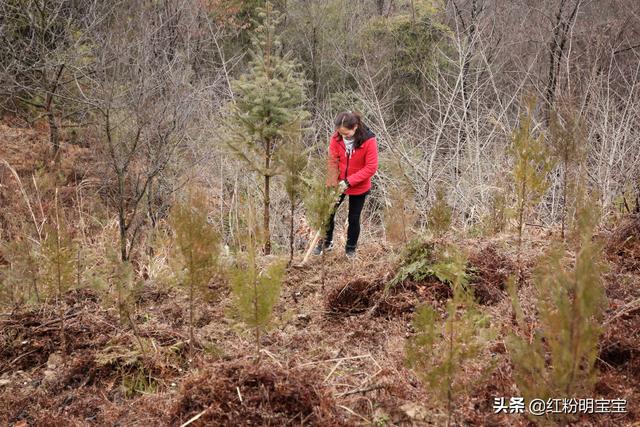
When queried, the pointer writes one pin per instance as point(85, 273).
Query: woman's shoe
point(350, 253)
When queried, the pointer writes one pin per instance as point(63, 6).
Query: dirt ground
point(334, 357)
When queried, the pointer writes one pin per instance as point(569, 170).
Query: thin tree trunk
point(255, 311)
point(122, 219)
point(54, 135)
point(191, 272)
point(267, 200)
point(521, 227)
point(564, 191)
point(63, 344)
point(293, 206)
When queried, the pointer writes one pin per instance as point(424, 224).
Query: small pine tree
point(321, 197)
point(116, 281)
point(566, 138)
point(530, 169)
point(294, 161)
point(58, 256)
point(126, 287)
point(439, 217)
point(198, 243)
point(20, 277)
point(440, 352)
point(560, 361)
point(255, 291)
point(268, 101)
point(496, 220)
point(402, 212)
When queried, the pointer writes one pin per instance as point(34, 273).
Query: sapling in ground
point(530, 169)
point(293, 161)
point(439, 216)
point(320, 202)
point(116, 281)
point(559, 360)
point(567, 142)
point(255, 290)
point(20, 277)
point(441, 350)
point(58, 264)
point(401, 213)
point(198, 245)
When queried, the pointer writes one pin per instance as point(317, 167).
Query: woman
point(355, 150)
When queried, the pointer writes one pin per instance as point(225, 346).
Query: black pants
point(356, 203)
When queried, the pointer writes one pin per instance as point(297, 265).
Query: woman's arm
point(370, 167)
point(333, 163)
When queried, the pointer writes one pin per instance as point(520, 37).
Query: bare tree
point(144, 98)
point(42, 51)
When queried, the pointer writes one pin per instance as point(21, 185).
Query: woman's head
point(349, 125)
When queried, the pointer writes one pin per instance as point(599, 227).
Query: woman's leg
point(356, 203)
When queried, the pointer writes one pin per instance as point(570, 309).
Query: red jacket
point(360, 167)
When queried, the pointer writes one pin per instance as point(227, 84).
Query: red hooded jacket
point(360, 166)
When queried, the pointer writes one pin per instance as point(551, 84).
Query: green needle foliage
point(255, 290)
point(439, 216)
point(321, 197)
point(559, 362)
point(567, 142)
point(116, 281)
point(267, 104)
point(294, 161)
point(400, 213)
point(58, 260)
point(19, 279)
point(198, 244)
point(530, 168)
point(440, 352)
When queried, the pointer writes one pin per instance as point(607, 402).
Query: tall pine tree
point(268, 100)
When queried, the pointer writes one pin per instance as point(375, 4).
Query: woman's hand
point(343, 185)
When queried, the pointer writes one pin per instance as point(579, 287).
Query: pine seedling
point(560, 360)
point(255, 290)
point(401, 213)
point(293, 161)
point(440, 352)
point(198, 244)
point(530, 169)
point(268, 101)
point(566, 139)
point(321, 198)
point(496, 219)
point(126, 288)
point(439, 216)
point(20, 277)
point(58, 262)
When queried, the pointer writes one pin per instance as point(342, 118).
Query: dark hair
point(351, 119)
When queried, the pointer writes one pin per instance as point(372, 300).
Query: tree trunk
point(293, 207)
point(122, 220)
point(54, 135)
point(267, 199)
